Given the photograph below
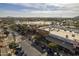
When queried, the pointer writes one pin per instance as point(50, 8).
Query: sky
point(39, 9)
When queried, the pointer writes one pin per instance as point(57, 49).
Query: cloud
point(43, 10)
point(40, 6)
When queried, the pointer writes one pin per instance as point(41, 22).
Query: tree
point(5, 31)
point(76, 24)
point(53, 45)
point(13, 45)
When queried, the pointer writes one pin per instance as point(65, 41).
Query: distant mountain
point(77, 17)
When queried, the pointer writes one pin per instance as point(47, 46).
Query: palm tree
point(66, 36)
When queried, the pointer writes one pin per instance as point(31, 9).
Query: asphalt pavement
point(29, 50)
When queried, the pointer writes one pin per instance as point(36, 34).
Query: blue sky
point(39, 9)
point(28, 6)
point(6, 6)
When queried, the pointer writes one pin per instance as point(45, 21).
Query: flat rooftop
point(62, 33)
point(34, 22)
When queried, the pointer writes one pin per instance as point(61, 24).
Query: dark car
point(18, 49)
point(19, 53)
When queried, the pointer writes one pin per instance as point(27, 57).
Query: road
point(26, 46)
point(4, 50)
point(29, 50)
